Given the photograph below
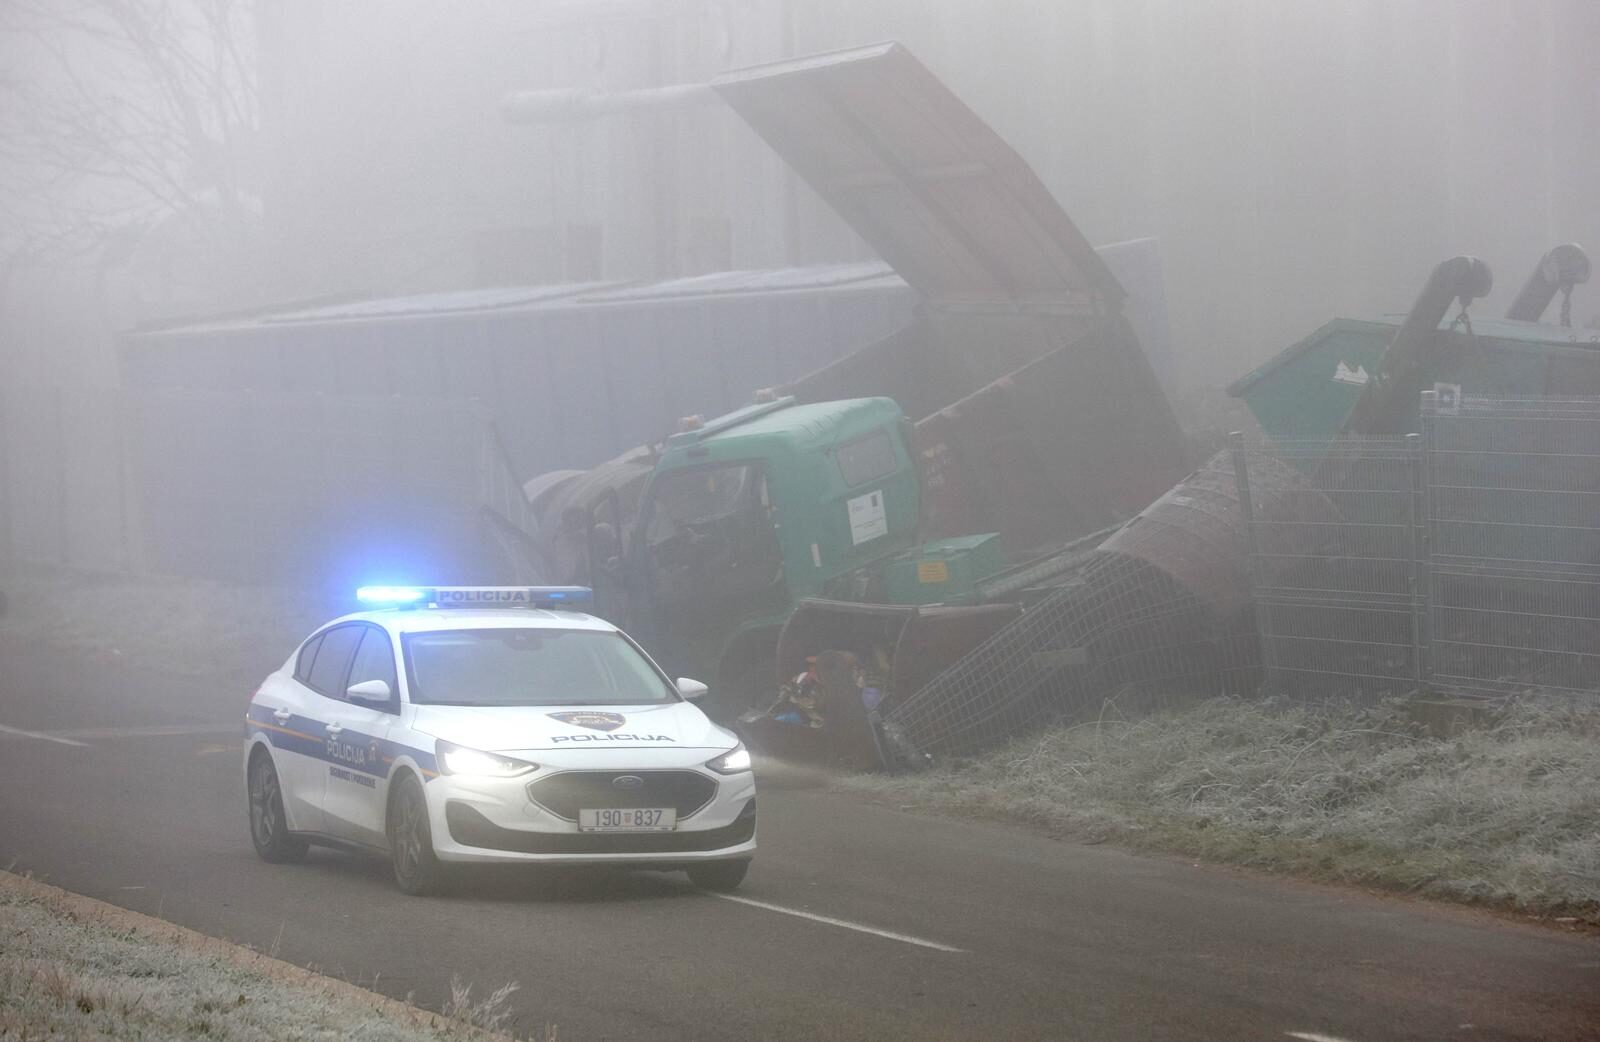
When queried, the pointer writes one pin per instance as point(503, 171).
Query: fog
point(885, 391)
point(170, 162)
point(1295, 161)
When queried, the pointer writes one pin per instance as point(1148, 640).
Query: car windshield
point(530, 667)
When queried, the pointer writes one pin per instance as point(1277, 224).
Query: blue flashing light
point(575, 598)
point(392, 596)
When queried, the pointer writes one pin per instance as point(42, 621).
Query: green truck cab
point(749, 513)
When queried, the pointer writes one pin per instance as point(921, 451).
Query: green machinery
point(1017, 412)
point(779, 503)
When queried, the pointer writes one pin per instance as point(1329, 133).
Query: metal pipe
point(1557, 271)
point(1385, 406)
point(577, 104)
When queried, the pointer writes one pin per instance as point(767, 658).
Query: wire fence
point(1512, 544)
point(1335, 582)
point(1158, 614)
point(1465, 557)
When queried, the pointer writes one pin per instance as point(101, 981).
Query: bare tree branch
point(134, 110)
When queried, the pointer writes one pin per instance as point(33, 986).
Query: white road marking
point(843, 923)
point(1312, 1036)
point(150, 731)
point(42, 737)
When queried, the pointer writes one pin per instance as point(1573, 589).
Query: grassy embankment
point(75, 968)
point(1502, 811)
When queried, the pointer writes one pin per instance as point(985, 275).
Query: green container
point(1305, 393)
point(942, 571)
point(1308, 390)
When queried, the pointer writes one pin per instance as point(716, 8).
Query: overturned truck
point(1015, 414)
point(999, 536)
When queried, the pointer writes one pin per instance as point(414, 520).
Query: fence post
point(1414, 516)
point(1241, 477)
point(1424, 537)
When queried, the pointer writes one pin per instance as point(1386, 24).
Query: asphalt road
point(126, 786)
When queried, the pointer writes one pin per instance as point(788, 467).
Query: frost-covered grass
point(1505, 812)
point(190, 626)
point(72, 968)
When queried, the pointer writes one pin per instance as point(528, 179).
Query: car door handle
point(281, 715)
point(334, 729)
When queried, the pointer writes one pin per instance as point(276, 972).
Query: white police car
point(492, 725)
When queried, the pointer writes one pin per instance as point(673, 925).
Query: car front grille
point(470, 828)
point(565, 794)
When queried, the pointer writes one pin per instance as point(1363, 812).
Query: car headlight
point(732, 762)
point(456, 759)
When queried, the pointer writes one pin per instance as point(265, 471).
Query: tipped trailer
point(1013, 416)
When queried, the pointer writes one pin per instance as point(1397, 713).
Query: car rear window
point(333, 660)
point(308, 655)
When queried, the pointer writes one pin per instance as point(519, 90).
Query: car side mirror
point(374, 693)
point(691, 689)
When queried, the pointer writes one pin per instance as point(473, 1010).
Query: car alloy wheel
point(416, 869)
point(269, 826)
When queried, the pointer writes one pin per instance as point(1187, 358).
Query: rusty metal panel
point(918, 175)
point(1195, 534)
point(1068, 444)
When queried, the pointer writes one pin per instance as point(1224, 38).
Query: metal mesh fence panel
point(1513, 544)
point(1151, 617)
point(1466, 556)
point(1335, 584)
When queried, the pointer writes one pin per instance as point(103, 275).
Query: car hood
point(676, 725)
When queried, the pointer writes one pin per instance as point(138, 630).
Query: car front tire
point(269, 826)
point(417, 870)
point(721, 876)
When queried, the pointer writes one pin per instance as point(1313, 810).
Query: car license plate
point(628, 819)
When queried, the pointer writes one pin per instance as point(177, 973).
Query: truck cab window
point(710, 535)
point(867, 458)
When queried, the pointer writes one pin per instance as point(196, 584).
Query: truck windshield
point(530, 667)
point(686, 498)
point(710, 535)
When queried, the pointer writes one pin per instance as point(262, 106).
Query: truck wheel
point(721, 876)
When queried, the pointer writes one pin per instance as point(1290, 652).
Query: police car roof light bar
point(390, 596)
point(570, 597)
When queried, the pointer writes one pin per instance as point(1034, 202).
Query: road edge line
point(903, 938)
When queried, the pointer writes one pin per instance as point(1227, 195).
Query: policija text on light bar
point(576, 597)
